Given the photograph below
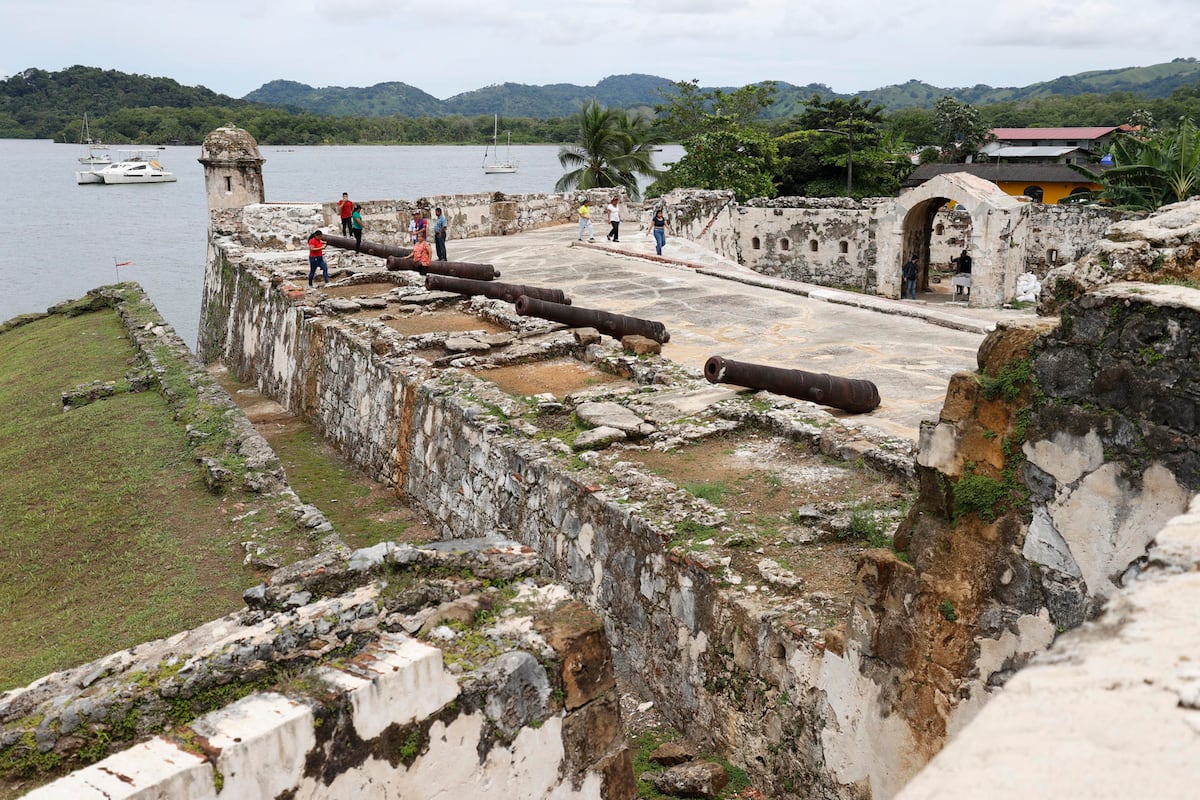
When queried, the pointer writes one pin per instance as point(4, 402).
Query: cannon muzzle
point(848, 394)
point(615, 325)
point(496, 290)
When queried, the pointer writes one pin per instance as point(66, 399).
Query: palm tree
point(1150, 172)
point(612, 150)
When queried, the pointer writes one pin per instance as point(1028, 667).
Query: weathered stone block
point(640, 345)
point(578, 636)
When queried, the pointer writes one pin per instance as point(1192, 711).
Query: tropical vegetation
point(1151, 169)
point(611, 150)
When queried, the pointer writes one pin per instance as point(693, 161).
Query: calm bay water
point(64, 239)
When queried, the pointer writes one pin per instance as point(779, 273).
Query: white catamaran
point(497, 164)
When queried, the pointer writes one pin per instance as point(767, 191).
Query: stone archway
point(997, 242)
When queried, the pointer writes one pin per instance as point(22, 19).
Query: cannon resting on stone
point(849, 394)
point(615, 325)
point(457, 269)
point(496, 290)
point(370, 248)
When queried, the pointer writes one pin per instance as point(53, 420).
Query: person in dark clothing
point(962, 263)
point(909, 273)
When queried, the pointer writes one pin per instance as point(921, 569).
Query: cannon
point(848, 394)
point(370, 248)
point(457, 269)
point(615, 325)
point(508, 292)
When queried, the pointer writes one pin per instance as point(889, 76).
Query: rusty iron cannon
point(615, 325)
point(457, 269)
point(508, 292)
point(370, 248)
point(848, 394)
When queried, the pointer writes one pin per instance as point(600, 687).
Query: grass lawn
point(108, 537)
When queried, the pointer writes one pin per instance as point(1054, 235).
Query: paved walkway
point(712, 306)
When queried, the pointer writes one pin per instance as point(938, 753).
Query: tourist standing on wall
point(658, 226)
point(440, 224)
point(345, 210)
point(585, 222)
point(316, 257)
point(909, 273)
point(356, 226)
point(614, 219)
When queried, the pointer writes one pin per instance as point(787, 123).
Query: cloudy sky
point(444, 48)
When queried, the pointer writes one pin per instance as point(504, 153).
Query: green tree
point(839, 138)
point(690, 111)
point(738, 158)
point(611, 150)
point(959, 130)
point(1151, 171)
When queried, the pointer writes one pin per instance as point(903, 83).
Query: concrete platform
point(713, 306)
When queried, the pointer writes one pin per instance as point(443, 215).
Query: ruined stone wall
point(316, 690)
point(1043, 483)
point(1059, 234)
point(730, 672)
point(822, 241)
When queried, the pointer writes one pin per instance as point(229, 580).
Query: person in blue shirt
point(440, 224)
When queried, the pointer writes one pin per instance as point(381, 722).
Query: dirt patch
point(360, 289)
point(559, 377)
point(810, 515)
point(440, 321)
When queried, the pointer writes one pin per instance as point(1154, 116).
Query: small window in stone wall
point(1051, 256)
point(843, 247)
point(756, 243)
point(940, 230)
point(228, 183)
point(785, 245)
point(813, 246)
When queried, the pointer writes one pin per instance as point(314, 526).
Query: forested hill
point(140, 108)
point(40, 104)
point(633, 91)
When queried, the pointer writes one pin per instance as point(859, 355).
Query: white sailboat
point(499, 165)
point(92, 157)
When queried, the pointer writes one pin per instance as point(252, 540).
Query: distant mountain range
point(633, 91)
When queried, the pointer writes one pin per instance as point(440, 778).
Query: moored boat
point(133, 166)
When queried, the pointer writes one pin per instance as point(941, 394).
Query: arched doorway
point(996, 238)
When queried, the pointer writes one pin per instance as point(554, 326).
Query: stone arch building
point(999, 224)
point(862, 244)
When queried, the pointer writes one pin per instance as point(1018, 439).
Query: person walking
point(440, 224)
point(614, 219)
point(345, 210)
point(658, 226)
point(909, 273)
point(356, 226)
point(585, 222)
point(316, 257)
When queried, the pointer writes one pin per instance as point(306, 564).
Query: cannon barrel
point(370, 248)
point(457, 269)
point(615, 325)
point(848, 394)
point(496, 290)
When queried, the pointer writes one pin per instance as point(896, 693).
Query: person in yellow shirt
point(585, 222)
